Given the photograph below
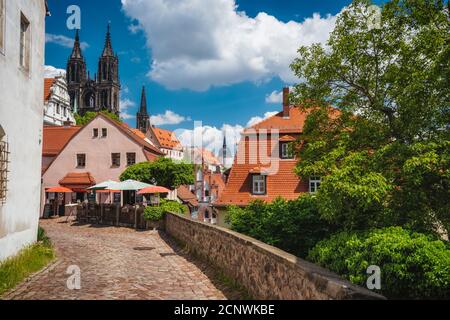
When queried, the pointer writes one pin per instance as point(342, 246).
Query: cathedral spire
point(107, 50)
point(142, 117)
point(143, 109)
point(76, 52)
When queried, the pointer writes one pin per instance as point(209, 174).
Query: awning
point(59, 190)
point(77, 180)
point(107, 191)
point(287, 138)
point(259, 170)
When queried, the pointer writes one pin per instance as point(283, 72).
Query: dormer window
point(259, 184)
point(286, 150)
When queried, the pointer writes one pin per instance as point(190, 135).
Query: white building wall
point(21, 117)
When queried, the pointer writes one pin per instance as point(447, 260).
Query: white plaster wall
point(21, 116)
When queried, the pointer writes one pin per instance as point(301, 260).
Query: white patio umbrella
point(106, 185)
point(131, 185)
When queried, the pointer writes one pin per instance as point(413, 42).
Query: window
point(65, 112)
point(314, 184)
point(24, 43)
point(3, 167)
point(81, 160)
point(115, 159)
point(259, 185)
point(131, 159)
point(104, 133)
point(95, 133)
point(285, 151)
point(57, 109)
point(2, 25)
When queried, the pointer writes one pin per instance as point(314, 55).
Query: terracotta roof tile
point(48, 83)
point(167, 139)
point(186, 195)
point(78, 180)
point(55, 138)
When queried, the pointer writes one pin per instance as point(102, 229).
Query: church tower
point(108, 83)
point(76, 74)
point(142, 117)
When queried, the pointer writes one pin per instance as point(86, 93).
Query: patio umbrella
point(106, 185)
point(58, 190)
point(154, 189)
point(131, 185)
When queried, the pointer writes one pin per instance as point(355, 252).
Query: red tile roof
point(55, 138)
point(284, 182)
point(167, 139)
point(187, 196)
point(48, 83)
point(76, 180)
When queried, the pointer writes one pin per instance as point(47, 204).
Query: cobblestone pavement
point(118, 263)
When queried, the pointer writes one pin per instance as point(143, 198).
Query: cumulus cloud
point(275, 97)
point(125, 105)
point(257, 119)
point(52, 72)
point(63, 41)
point(196, 46)
point(169, 117)
point(211, 138)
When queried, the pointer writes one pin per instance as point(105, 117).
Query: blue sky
point(199, 60)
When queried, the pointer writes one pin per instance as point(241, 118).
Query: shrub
point(413, 265)
point(156, 213)
point(294, 226)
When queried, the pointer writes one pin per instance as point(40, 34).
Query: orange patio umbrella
point(154, 189)
point(59, 190)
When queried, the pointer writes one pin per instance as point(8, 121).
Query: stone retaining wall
point(265, 271)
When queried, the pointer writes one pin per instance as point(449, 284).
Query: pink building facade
point(97, 152)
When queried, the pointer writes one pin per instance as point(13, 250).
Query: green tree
point(294, 226)
point(88, 116)
point(164, 172)
point(383, 152)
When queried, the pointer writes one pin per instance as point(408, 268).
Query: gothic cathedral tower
point(76, 75)
point(108, 83)
point(100, 93)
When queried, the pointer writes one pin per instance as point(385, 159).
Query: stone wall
point(265, 271)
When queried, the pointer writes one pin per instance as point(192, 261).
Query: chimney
point(286, 103)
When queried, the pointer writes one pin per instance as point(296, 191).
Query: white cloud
point(52, 72)
point(257, 119)
point(196, 46)
point(275, 97)
point(211, 138)
point(63, 41)
point(169, 117)
point(125, 105)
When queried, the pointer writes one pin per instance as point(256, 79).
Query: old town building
point(57, 110)
point(22, 43)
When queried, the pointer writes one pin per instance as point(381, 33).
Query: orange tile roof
point(284, 183)
point(186, 195)
point(167, 139)
point(77, 180)
point(55, 138)
point(48, 83)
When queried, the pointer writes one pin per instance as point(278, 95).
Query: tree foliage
point(156, 213)
point(294, 226)
point(88, 116)
point(383, 152)
point(163, 172)
point(412, 265)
